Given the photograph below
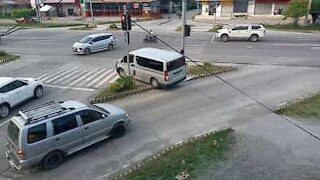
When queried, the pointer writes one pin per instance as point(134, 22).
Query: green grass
point(306, 109)
point(81, 28)
point(291, 27)
point(121, 85)
point(196, 157)
point(7, 57)
point(42, 25)
point(215, 28)
point(203, 69)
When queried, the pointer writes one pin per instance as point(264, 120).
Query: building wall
point(70, 7)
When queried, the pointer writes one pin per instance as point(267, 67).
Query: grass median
point(309, 108)
point(41, 25)
point(194, 158)
point(5, 57)
point(292, 27)
point(204, 69)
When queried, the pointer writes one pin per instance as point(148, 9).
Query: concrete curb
point(165, 22)
point(300, 99)
point(132, 167)
point(228, 69)
point(10, 58)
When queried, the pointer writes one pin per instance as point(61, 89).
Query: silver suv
point(48, 132)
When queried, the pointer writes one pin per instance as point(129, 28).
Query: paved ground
point(280, 68)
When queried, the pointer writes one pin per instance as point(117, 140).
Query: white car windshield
point(85, 40)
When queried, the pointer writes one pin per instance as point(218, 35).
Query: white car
point(13, 91)
point(253, 32)
point(94, 43)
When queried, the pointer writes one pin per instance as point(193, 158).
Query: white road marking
point(100, 77)
point(57, 76)
point(84, 76)
point(115, 78)
point(106, 79)
point(89, 79)
point(68, 87)
point(297, 45)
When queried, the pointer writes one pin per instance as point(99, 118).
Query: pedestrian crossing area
point(68, 76)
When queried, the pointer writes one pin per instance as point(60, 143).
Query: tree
point(22, 12)
point(296, 9)
point(315, 10)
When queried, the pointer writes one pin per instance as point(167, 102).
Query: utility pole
point(309, 8)
point(184, 4)
point(38, 10)
point(127, 37)
point(91, 12)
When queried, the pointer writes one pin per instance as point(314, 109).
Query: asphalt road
point(280, 68)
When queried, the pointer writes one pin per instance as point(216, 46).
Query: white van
point(155, 66)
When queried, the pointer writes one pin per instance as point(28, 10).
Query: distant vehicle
point(155, 66)
point(94, 43)
point(14, 91)
point(47, 133)
point(26, 20)
point(253, 32)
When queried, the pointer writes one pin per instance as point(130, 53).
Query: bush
point(122, 84)
point(113, 26)
point(22, 12)
point(3, 53)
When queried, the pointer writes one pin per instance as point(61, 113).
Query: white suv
point(13, 91)
point(253, 32)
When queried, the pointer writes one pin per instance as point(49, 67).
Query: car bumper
point(170, 83)
point(15, 163)
point(77, 51)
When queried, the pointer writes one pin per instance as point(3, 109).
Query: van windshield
point(13, 132)
point(85, 39)
point(176, 64)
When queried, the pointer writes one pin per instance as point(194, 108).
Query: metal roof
point(157, 54)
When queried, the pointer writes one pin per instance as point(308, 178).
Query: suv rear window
point(176, 64)
point(13, 132)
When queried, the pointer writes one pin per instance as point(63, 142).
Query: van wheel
point(117, 131)
point(4, 110)
point(87, 51)
point(110, 47)
point(254, 38)
point(224, 38)
point(121, 73)
point(53, 160)
point(38, 92)
point(154, 82)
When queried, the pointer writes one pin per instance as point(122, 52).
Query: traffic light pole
point(183, 28)
point(127, 37)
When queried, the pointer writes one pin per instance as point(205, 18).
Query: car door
point(67, 133)
point(95, 45)
point(23, 90)
point(95, 125)
point(10, 94)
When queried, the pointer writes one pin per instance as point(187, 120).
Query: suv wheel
point(121, 73)
point(38, 92)
point(154, 82)
point(110, 47)
point(224, 38)
point(87, 51)
point(53, 160)
point(4, 110)
point(254, 38)
point(118, 131)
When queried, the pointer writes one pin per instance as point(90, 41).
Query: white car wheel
point(4, 110)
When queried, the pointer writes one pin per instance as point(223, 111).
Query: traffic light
point(124, 22)
point(187, 30)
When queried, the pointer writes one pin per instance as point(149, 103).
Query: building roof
point(157, 54)
point(121, 1)
point(59, 1)
point(22, 2)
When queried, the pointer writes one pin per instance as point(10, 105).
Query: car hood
point(111, 108)
point(79, 45)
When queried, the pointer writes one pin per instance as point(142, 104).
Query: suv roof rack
point(42, 111)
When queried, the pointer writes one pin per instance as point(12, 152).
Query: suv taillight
point(20, 153)
point(166, 76)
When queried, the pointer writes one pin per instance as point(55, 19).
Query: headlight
point(127, 115)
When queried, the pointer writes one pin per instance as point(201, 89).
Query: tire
point(254, 38)
point(110, 46)
point(154, 82)
point(118, 131)
point(38, 92)
point(121, 73)
point(4, 110)
point(224, 38)
point(53, 160)
point(87, 51)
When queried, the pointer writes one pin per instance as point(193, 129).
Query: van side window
point(152, 64)
point(89, 116)
point(124, 59)
point(37, 133)
point(256, 27)
point(64, 124)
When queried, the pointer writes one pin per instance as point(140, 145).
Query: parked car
point(94, 43)
point(46, 133)
point(155, 66)
point(253, 32)
point(14, 91)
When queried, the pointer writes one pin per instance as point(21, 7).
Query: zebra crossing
point(68, 76)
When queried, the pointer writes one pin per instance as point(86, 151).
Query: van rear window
point(176, 64)
point(13, 132)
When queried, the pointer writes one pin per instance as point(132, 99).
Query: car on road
point(47, 133)
point(94, 43)
point(155, 66)
point(253, 32)
point(14, 91)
